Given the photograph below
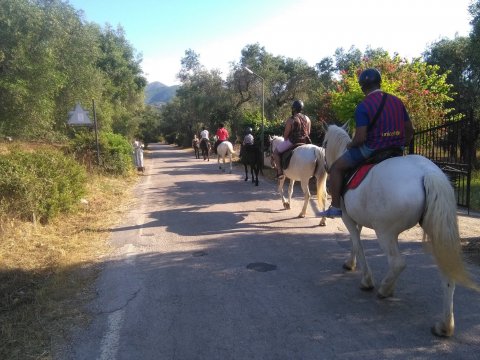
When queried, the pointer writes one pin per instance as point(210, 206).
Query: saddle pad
point(287, 156)
point(358, 176)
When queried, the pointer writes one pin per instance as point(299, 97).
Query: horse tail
point(321, 175)
point(440, 226)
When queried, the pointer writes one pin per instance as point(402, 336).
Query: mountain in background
point(158, 94)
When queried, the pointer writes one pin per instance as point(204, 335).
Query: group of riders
point(221, 136)
point(381, 122)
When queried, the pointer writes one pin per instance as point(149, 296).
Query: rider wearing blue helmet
point(381, 122)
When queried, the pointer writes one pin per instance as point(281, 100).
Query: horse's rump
point(224, 148)
point(250, 154)
point(397, 181)
point(205, 144)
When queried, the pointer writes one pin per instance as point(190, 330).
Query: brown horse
point(196, 147)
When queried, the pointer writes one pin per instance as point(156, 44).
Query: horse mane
point(337, 139)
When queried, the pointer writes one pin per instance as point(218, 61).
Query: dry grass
point(46, 271)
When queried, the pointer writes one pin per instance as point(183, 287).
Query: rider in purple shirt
point(392, 128)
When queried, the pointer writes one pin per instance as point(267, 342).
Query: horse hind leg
point(396, 263)
point(306, 198)
point(246, 172)
point(446, 326)
point(285, 203)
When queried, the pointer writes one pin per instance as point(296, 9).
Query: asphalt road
point(208, 266)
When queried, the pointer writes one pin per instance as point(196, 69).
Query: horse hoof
point(301, 216)
point(439, 330)
point(383, 296)
point(246, 179)
point(348, 267)
point(366, 288)
point(322, 223)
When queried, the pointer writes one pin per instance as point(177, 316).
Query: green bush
point(170, 138)
point(475, 191)
point(115, 152)
point(41, 184)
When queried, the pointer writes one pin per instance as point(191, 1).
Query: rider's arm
point(288, 129)
point(359, 138)
point(361, 125)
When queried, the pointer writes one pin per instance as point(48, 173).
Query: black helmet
point(297, 105)
point(248, 130)
point(369, 77)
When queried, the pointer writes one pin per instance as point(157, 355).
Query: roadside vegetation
point(475, 192)
point(48, 265)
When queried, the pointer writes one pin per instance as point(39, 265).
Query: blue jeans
point(357, 155)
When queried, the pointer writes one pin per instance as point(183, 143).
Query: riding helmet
point(248, 130)
point(369, 77)
point(297, 105)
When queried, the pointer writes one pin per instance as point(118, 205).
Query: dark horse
point(251, 155)
point(205, 147)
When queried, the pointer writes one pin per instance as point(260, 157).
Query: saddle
point(286, 156)
point(355, 176)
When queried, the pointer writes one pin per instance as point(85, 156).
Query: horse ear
point(270, 137)
point(345, 126)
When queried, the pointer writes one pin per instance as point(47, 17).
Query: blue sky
point(218, 30)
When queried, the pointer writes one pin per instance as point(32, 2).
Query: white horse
point(307, 161)
point(397, 194)
point(224, 149)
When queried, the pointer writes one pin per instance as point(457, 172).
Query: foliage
point(149, 127)
point(43, 183)
point(475, 191)
point(115, 152)
point(51, 58)
point(459, 58)
point(201, 100)
point(423, 90)
point(284, 80)
point(48, 271)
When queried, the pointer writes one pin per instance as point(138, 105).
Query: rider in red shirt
point(222, 135)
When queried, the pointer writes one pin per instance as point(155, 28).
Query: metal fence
point(448, 146)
